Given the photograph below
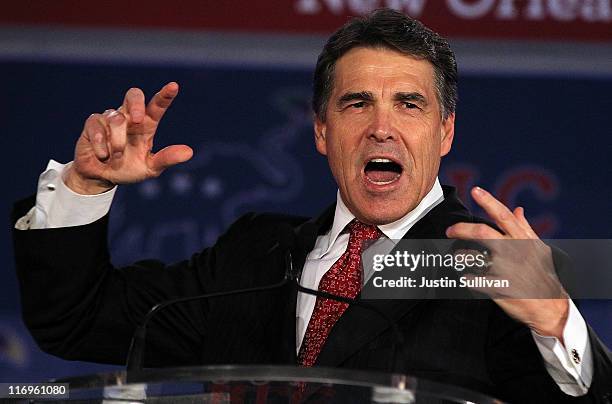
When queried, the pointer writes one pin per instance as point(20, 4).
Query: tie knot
point(360, 231)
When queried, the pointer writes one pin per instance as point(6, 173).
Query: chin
point(380, 214)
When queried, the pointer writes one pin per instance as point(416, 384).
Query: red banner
point(586, 20)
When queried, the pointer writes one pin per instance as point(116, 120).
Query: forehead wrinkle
point(379, 83)
point(362, 69)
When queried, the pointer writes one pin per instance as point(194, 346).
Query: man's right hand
point(115, 147)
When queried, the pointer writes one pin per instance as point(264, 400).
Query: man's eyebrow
point(412, 97)
point(355, 96)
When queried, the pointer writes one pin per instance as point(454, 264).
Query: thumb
point(169, 156)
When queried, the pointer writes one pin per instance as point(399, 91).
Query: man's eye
point(409, 105)
point(359, 104)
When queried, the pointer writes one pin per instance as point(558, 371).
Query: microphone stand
point(135, 357)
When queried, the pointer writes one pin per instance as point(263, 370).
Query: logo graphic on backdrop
point(510, 187)
point(196, 201)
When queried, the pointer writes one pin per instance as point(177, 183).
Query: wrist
point(84, 186)
point(553, 324)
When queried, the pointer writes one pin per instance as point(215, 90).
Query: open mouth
point(382, 171)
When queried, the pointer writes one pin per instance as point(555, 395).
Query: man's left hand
point(535, 296)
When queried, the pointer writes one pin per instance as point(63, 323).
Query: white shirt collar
point(394, 230)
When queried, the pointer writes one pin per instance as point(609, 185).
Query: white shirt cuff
point(59, 206)
point(570, 366)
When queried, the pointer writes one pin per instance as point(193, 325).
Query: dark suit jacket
point(78, 306)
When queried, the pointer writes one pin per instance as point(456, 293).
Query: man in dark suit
point(384, 101)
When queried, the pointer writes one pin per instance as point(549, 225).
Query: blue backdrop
point(541, 142)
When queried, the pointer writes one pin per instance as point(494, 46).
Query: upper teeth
point(381, 161)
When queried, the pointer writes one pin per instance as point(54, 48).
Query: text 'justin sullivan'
point(446, 282)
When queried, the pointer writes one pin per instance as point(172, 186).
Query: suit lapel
point(358, 326)
point(305, 243)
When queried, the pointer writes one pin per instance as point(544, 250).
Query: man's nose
point(381, 128)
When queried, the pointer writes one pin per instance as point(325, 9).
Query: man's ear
point(320, 139)
point(447, 133)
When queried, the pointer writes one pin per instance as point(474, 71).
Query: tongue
point(381, 176)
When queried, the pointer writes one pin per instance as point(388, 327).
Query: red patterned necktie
point(342, 279)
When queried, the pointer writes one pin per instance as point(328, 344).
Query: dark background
point(537, 140)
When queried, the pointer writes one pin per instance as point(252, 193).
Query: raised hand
point(115, 147)
point(535, 296)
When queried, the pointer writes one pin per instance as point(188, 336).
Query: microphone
point(301, 239)
point(287, 240)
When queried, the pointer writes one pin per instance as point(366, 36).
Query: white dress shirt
point(570, 366)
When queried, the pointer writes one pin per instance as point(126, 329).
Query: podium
point(261, 384)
